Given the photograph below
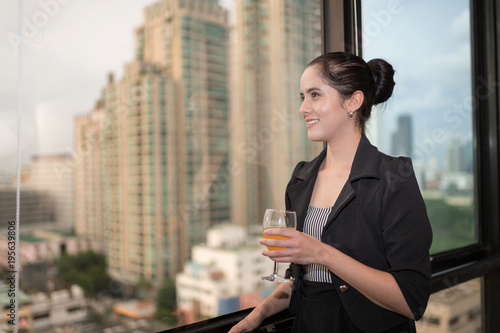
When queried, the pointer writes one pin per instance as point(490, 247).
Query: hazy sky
point(428, 43)
point(66, 59)
point(68, 50)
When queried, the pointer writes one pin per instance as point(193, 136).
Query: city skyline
point(432, 83)
point(174, 131)
point(156, 156)
point(53, 58)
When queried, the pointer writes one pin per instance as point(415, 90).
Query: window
point(472, 241)
point(218, 95)
point(430, 116)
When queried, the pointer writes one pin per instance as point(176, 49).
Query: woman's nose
point(304, 108)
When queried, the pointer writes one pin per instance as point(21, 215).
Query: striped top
point(313, 225)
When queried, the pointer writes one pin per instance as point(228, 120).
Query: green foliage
point(452, 226)
point(86, 269)
point(166, 303)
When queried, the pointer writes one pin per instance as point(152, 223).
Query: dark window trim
point(453, 267)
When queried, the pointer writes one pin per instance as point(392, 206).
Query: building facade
point(158, 175)
point(223, 275)
point(89, 180)
point(457, 309)
point(272, 42)
point(36, 209)
point(52, 176)
point(59, 308)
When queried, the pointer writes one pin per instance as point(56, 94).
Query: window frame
point(482, 259)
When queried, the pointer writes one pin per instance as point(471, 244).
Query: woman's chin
point(315, 138)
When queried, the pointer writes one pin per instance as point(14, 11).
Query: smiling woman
point(360, 254)
point(176, 155)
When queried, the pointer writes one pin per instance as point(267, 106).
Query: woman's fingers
point(297, 247)
point(278, 237)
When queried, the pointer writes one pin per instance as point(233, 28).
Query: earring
point(351, 114)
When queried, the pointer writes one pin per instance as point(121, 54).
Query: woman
point(360, 254)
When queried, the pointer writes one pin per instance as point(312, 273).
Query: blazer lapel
point(364, 166)
point(301, 191)
point(345, 196)
point(299, 195)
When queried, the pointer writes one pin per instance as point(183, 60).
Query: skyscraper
point(51, 176)
point(456, 156)
point(89, 144)
point(272, 42)
point(165, 141)
point(402, 138)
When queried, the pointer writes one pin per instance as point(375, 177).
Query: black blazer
point(378, 219)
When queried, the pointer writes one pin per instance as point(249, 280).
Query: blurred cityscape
point(153, 221)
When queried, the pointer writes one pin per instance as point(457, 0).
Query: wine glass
point(275, 218)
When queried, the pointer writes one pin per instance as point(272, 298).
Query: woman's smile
point(311, 122)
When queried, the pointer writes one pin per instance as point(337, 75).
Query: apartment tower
point(165, 142)
point(88, 178)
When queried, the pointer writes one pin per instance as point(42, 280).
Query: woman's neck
point(341, 151)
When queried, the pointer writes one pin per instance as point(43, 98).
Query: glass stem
point(275, 268)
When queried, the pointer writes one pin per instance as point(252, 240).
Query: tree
point(452, 226)
point(166, 303)
point(86, 269)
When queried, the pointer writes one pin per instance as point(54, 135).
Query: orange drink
point(277, 218)
point(272, 248)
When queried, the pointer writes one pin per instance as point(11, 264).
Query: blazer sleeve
point(407, 233)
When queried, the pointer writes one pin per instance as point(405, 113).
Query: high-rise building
point(402, 138)
point(89, 218)
point(272, 42)
point(51, 175)
point(456, 156)
point(36, 208)
point(159, 171)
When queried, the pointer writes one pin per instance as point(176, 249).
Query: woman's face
point(322, 108)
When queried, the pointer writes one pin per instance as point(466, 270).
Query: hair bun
point(383, 74)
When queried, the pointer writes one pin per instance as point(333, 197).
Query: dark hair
point(348, 73)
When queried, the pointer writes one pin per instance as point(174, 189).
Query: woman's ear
point(354, 102)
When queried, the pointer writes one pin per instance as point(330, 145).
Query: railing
point(282, 322)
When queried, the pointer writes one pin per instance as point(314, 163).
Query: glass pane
point(457, 310)
point(429, 117)
point(155, 134)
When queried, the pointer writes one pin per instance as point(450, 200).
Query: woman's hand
point(300, 249)
point(378, 286)
point(276, 302)
point(248, 324)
